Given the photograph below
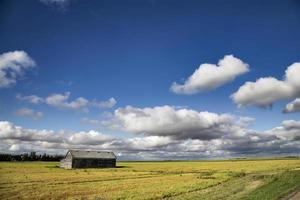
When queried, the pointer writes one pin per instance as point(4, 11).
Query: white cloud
point(91, 138)
point(211, 76)
point(289, 130)
point(13, 66)
point(61, 101)
point(60, 5)
point(105, 104)
point(34, 99)
point(93, 122)
point(265, 91)
point(177, 123)
point(291, 124)
point(245, 121)
point(15, 147)
point(56, 2)
point(294, 106)
point(27, 112)
point(149, 142)
point(281, 140)
point(8, 131)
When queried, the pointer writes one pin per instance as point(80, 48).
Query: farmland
point(228, 179)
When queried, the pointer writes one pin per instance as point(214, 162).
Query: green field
point(231, 179)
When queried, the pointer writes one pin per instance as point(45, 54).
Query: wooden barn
point(88, 159)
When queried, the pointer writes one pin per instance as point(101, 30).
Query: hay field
point(232, 179)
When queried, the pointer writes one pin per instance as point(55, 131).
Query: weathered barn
point(88, 159)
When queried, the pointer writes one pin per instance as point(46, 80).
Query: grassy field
point(232, 179)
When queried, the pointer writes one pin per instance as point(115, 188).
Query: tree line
point(32, 156)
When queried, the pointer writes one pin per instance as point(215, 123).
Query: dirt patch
point(296, 196)
point(293, 196)
point(254, 184)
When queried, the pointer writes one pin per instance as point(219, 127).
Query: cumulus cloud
point(141, 144)
point(15, 147)
point(55, 2)
point(105, 104)
point(8, 131)
point(90, 138)
point(294, 106)
point(190, 134)
point(245, 121)
point(291, 124)
point(289, 130)
point(34, 99)
point(62, 101)
point(93, 122)
point(211, 76)
point(50, 138)
point(265, 91)
point(177, 123)
point(280, 140)
point(27, 112)
point(13, 65)
point(150, 142)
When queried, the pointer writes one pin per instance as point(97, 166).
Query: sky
point(151, 79)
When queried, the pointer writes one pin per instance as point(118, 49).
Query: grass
point(232, 179)
point(278, 186)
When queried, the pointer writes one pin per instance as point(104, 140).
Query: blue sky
point(134, 50)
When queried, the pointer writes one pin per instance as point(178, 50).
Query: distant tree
point(25, 157)
point(30, 157)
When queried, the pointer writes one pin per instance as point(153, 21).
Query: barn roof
point(92, 154)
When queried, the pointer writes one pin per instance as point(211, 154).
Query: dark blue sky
point(134, 50)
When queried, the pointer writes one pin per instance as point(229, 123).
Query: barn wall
point(66, 164)
point(93, 163)
point(68, 157)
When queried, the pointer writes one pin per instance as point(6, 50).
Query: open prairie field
point(231, 179)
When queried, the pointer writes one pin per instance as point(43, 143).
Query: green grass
point(278, 186)
point(232, 179)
